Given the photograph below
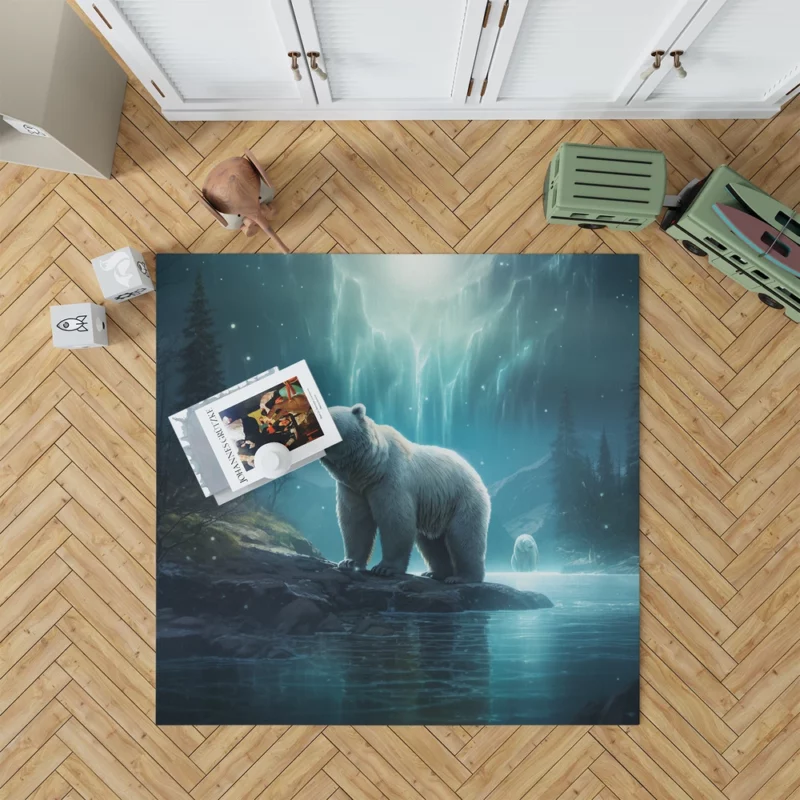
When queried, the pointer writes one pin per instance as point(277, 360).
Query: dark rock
point(299, 616)
point(365, 623)
point(498, 597)
point(331, 624)
point(378, 630)
point(238, 645)
point(240, 604)
point(280, 652)
point(428, 602)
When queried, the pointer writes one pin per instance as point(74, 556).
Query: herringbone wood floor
point(720, 486)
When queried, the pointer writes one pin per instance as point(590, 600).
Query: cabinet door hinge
point(469, 88)
point(483, 88)
point(503, 15)
point(486, 13)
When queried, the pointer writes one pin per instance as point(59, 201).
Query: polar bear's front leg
point(397, 525)
point(358, 528)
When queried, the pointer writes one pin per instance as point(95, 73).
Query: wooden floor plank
point(437, 143)
point(98, 724)
point(684, 737)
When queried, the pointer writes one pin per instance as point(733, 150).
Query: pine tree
point(572, 483)
point(200, 376)
point(606, 496)
point(632, 436)
point(198, 359)
point(628, 534)
point(605, 465)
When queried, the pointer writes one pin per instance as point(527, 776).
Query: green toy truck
point(605, 187)
point(701, 231)
point(609, 187)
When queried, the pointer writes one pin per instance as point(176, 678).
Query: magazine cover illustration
point(284, 408)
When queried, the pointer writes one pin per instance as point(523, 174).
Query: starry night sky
point(468, 352)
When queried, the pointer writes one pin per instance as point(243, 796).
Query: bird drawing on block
point(234, 188)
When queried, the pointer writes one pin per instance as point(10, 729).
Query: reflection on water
point(513, 667)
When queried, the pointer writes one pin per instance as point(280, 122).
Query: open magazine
point(222, 435)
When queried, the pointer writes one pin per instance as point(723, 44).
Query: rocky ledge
point(273, 593)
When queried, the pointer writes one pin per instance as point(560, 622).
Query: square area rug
point(489, 412)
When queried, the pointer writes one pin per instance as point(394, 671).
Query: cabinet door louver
point(746, 50)
point(212, 50)
point(578, 50)
point(389, 51)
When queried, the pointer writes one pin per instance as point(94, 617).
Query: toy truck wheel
point(693, 248)
point(592, 226)
point(769, 301)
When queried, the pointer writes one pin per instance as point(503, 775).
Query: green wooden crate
point(701, 231)
point(613, 187)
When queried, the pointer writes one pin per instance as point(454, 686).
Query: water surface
point(548, 666)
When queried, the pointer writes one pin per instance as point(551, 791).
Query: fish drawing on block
point(763, 238)
point(77, 324)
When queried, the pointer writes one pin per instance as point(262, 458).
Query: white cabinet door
point(206, 54)
point(735, 51)
point(578, 54)
point(390, 55)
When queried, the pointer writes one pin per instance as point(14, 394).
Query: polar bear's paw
point(434, 576)
point(384, 570)
point(349, 565)
point(455, 579)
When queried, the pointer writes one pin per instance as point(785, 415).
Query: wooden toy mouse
point(237, 192)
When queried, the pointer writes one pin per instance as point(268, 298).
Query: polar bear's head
point(357, 430)
point(525, 542)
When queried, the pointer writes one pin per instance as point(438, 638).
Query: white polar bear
point(411, 493)
point(526, 554)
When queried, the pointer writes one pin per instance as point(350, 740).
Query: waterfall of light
point(449, 354)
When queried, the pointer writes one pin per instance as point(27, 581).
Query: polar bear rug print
point(407, 494)
point(525, 557)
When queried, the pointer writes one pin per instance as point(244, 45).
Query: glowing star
point(247, 358)
point(233, 325)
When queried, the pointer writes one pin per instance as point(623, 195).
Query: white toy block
point(78, 325)
point(122, 274)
